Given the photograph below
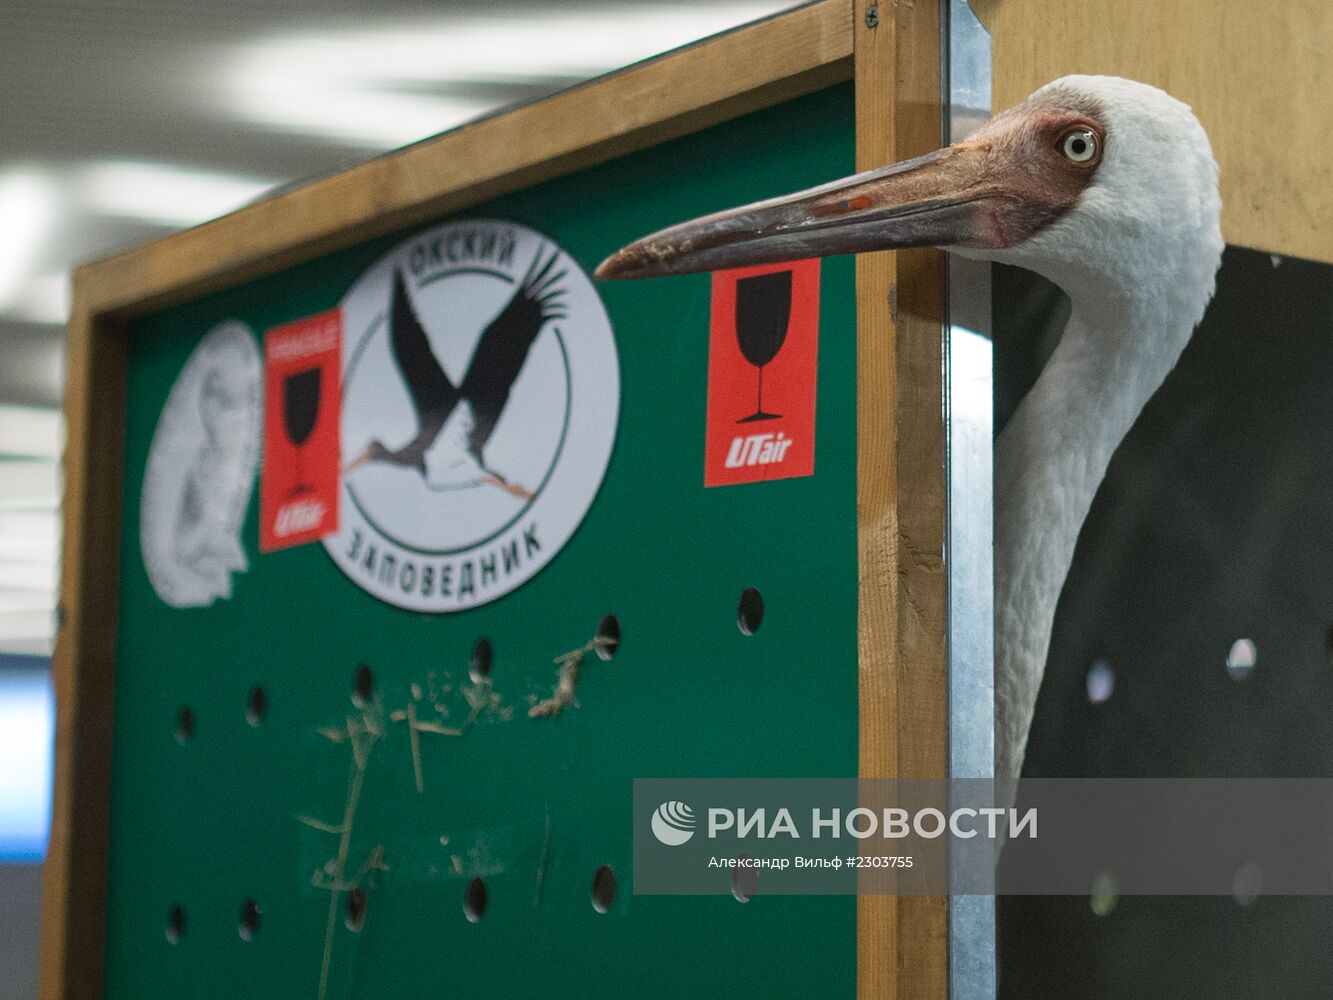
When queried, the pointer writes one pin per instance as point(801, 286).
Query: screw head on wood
point(872, 16)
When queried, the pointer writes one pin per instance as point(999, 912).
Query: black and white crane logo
point(481, 393)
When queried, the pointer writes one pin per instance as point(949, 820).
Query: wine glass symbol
point(300, 407)
point(763, 312)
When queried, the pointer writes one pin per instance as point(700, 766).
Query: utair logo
point(480, 396)
point(673, 823)
point(757, 449)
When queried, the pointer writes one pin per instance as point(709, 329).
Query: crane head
point(1087, 172)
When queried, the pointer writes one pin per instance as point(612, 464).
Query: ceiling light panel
point(28, 633)
point(28, 213)
point(31, 431)
point(365, 86)
point(359, 116)
point(29, 484)
point(37, 577)
point(166, 195)
point(571, 45)
point(45, 299)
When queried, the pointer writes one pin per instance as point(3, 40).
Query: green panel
point(533, 805)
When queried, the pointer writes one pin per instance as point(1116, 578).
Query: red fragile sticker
point(763, 362)
point(299, 484)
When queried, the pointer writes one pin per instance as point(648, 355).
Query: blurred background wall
point(123, 120)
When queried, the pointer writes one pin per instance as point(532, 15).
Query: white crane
point(1105, 186)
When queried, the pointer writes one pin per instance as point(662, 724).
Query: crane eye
point(1079, 146)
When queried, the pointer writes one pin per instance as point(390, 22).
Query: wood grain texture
point(1257, 74)
point(685, 91)
point(83, 664)
point(903, 946)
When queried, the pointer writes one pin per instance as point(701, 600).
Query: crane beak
point(944, 198)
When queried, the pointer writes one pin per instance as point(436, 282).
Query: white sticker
point(201, 470)
point(481, 393)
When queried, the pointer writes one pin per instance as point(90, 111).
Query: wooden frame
point(893, 55)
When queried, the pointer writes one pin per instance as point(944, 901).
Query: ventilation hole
point(1105, 894)
point(1101, 682)
point(256, 706)
point(744, 879)
point(1246, 883)
point(249, 924)
point(1242, 658)
point(363, 687)
point(479, 668)
point(603, 889)
point(750, 612)
point(607, 637)
point(474, 902)
point(175, 923)
point(356, 910)
point(184, 724)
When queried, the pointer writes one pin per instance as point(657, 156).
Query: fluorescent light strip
point(31, 431)
point(29, 526)
point(30, 558)
point(571, 45)
point(34, 525)
point(166, 195)
point(14, 600)
point(33, 577)
point(363, 116)
point(45, 299)
point(27, 631)
point(27, 210)
point(29, 483)
point(364, 86)
point(24, 550)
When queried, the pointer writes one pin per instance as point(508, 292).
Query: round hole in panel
point(1242, 658)
point(750, 611)
point(603, 889)
point(355, 916)
point(474, 900)
point(1100, 682)
point(256, 706)
point(479, 667)
point(175, 929)
point(185, 724)
point(248, 925)
point(607, 637)
point(363, 686)
point(1104, 895)
point(744, 880)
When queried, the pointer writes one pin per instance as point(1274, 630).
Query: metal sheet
point(972, 969)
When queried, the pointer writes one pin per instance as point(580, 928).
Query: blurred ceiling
point(122, 120)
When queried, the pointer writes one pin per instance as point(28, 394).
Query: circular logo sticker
point(201, 470)
point(481, 392)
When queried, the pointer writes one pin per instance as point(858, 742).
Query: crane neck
point(1050, 460)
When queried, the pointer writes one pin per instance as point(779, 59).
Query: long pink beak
point(945, 198)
